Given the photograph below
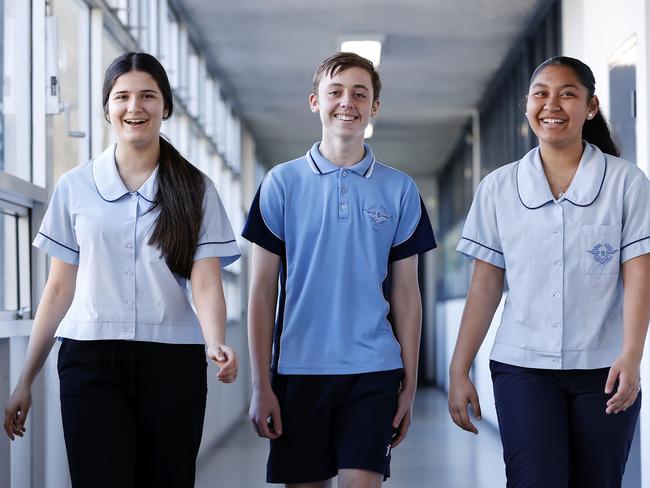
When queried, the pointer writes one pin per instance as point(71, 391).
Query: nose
point(346, 99)
point(552, 103)
point(133, 105)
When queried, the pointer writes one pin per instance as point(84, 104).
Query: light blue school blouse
point(564, 307)
point(124, 288)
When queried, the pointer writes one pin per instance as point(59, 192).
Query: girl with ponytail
point(568, 226)
point(136, 236)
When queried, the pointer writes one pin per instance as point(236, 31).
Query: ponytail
point(596, 131)
point(181, 188)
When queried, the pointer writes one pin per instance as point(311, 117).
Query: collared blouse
point(563, 257)
point(124, 289)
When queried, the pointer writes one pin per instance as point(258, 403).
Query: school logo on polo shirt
point(378, 214)
point(602, 253)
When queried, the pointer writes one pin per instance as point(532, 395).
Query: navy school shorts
point(332, 422)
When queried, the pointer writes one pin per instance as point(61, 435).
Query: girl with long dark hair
point(135, 236)
point(569, 227)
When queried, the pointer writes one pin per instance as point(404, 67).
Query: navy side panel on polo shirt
point(336, 231)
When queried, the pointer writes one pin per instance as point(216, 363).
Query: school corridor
point(454, 76)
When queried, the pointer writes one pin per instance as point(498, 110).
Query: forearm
point(407, 317)
point(211, 312)
point(209, 301)
point(636, 305)
point(55, 302)
point(261, 313)
point(482, 301)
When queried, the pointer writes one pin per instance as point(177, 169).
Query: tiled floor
point(435, 454)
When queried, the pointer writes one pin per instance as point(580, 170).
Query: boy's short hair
point(341, 61)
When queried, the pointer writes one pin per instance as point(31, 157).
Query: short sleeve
point(56, 235)
point(216, 237)
point(414, 234)
point(480, 238)
point(635, 238)
point(265, 223)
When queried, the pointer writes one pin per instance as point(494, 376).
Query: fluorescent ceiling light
point(367, 134)
point(363, 46)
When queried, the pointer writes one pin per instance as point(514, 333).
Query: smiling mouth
point(552, 121)
point(345, 118)
point(135, 122)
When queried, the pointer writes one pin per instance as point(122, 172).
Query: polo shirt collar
point(109, 184)
point(533, 187)
point(320, 165)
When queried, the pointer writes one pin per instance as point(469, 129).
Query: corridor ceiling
point(437, 59)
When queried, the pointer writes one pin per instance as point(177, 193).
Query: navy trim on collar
point(533, 188)
point(109, 184)
point(320, 165)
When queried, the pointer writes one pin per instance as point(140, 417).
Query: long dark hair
point(180, 185)
point(595, 130)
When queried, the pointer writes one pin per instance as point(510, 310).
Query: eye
point(333, 93)
point(539, 93)
point(361, 95)
point(567, 94)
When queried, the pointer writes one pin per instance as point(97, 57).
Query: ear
point(375, 108)
point(313, 103)
point(165, 114)
point(593, 107)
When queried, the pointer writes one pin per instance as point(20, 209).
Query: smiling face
point(557, 107)
point(345, 104)
point(136, 109)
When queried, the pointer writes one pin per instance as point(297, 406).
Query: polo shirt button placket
point(344, 204)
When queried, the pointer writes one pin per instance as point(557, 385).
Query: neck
point(135, 164)
point(132, 159)
point(561, 159)
point(342, 153)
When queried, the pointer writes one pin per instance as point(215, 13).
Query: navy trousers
point(132, 412)
point(555, 431)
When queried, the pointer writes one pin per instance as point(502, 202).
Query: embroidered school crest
point(602, 253)
point(378, 214)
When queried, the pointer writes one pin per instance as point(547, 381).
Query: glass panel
point(70, 138)
point(9, 262)
point(110, 50)
point(15, 73)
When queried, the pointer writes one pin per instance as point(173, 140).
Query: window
point(14, 261)
point(71, 126)
point(15, 123)
point(110, 50)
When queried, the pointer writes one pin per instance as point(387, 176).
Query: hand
point(227, 361)
point(403, 416)
point(461, 393)
point(16, 410)
point(264, 413)
point(626, 370)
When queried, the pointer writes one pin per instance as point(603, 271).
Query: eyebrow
point(141, 91)
point(568, 85)
point(341, 84)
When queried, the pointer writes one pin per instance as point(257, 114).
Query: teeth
point(345, 118)
point(553, 121)
point(135, 121)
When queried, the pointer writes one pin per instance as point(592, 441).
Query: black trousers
point(132, 412)
point(555, 431)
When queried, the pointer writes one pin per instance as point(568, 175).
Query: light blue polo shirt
point(125, 290)
point(336, 230)
point(564, 306)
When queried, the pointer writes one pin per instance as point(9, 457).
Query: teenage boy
point(331, 225)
